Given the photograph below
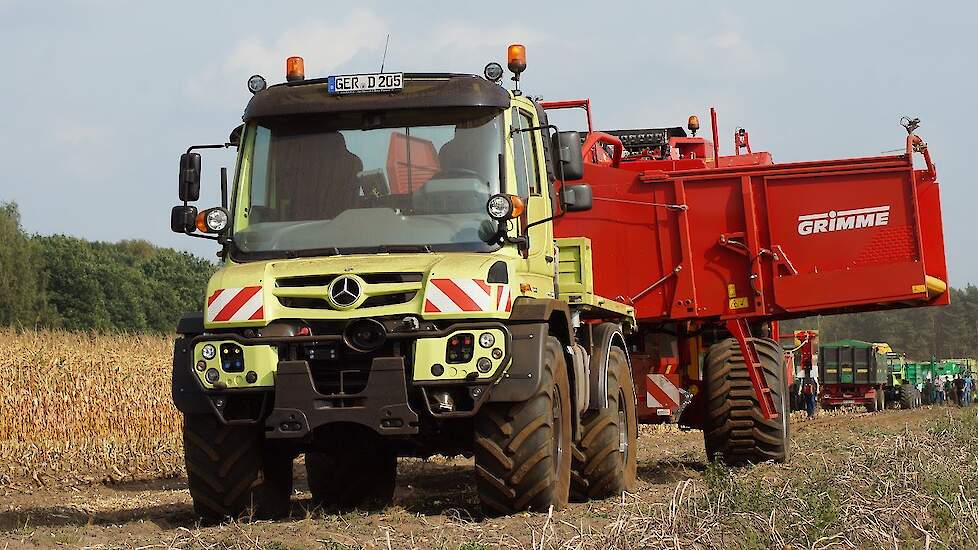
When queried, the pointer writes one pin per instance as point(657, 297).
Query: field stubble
point(88, 417)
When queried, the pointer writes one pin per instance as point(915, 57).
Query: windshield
point(355, 182)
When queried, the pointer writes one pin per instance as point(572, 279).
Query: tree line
point(922, 333)
point(65, 282)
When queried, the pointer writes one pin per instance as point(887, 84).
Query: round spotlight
point(437, 369)
point(499, 207)
point(251, 377)
point(212, 376)
point(484, 365)
point(256, 83)
point(486, 340)
point(493, 72)
point(365, 335)
point(208, 352)
point(216, 220)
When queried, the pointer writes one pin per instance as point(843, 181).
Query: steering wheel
point(456, 173)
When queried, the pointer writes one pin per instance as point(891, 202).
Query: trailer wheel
point(231, 471)
point(604, 461)
point(352, 476)
point(523, 450)
point(735, 431)
point(908, 396)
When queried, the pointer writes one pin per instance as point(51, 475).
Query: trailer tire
point(523, 450)
point(908, 396)
point(605, 463)
point(735, 430)
point(352, 476)
point(231, 470)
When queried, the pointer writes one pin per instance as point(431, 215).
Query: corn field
point(83, 407)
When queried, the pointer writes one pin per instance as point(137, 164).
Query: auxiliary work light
point(295, 69)
point(504, 207)
point(256, 83)
point(212, 220)
point(493, 72)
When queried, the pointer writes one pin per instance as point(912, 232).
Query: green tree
point(23, 300)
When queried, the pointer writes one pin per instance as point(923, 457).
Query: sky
point(99, 98)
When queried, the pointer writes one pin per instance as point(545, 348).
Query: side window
point(525, 156)
point(259, 168)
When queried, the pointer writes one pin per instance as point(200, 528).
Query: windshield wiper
point(329, 251)
point(404, 248)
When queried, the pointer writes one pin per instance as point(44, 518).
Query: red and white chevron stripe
point(235, 304)
point(661, 393)
point(465, 295)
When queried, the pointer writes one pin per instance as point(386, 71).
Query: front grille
point(294, 292)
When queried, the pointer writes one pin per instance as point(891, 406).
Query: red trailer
point(713, 250)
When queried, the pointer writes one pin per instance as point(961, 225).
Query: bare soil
point(435, 505)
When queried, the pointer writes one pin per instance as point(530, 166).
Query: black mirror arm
point(210, 146)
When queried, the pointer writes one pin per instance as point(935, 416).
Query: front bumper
point(291, 405)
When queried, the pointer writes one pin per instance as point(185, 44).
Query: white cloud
point(322, 45)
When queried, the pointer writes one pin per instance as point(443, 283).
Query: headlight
point(484, 365)
point(504, 207)
point(208, 352)
point(212, 375)
point(486, 340)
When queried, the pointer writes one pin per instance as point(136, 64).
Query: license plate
point(365, 83)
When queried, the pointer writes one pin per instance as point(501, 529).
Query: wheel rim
point(558, 448)
point(623, 427)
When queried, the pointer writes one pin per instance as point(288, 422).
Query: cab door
point(531, 184)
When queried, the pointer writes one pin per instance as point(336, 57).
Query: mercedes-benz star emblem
point(344, 292)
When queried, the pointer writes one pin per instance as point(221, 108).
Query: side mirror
point(567, 156)
point(235, 137)
point(576, 198)
point(183, 219)
point(189, 177)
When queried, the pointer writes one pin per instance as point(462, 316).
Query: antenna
point(384, 59)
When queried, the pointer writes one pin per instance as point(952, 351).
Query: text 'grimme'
point(843, 219)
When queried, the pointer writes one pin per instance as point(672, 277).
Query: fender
point(522, 379)
point(605, 337)
point(187, 396)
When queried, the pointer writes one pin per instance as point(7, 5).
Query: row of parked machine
point(868, 374)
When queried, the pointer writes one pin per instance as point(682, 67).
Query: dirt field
point(894, 479)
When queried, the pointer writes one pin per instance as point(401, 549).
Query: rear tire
point(523, 450)
point(735, 430)
point(230, 470)
point(353, 476)
point(604, 462)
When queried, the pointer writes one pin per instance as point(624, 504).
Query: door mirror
point(183, 219)
point(235, 137)
point(576, 198)
point(567, 156)
point(189, 177)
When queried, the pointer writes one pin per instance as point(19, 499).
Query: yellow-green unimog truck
point(390, 286)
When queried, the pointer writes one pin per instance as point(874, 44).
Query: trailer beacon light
point(295, 69)
point(693, 124)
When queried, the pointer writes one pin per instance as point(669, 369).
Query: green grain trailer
point(852, 372)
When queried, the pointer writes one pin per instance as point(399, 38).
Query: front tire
point(735, 430)
point(523, 450)
point(605, 462)
point(230, 470)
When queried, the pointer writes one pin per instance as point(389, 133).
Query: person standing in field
point(809, 392)
point(949, 392)
point(959, 386)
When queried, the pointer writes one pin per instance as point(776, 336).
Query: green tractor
point(904, 382)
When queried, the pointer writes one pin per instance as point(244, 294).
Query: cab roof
point(421, 90)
